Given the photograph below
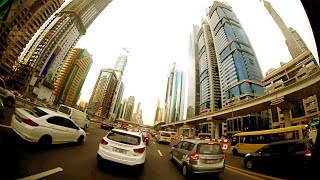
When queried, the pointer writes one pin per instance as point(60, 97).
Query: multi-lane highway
point(19, 159)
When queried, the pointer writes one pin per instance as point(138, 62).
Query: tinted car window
point(185, 145)
point(179, 144)
point(277, 149)
point(65, 110)
point(70, 124)
point(124, 138)
point(191, 146)
point(213, 149)
point(36, 112)
point(2, 84)
point(56, 120)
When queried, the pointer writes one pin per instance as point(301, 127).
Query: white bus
point(79, 117)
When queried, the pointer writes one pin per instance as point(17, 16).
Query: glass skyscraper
point(239, 69)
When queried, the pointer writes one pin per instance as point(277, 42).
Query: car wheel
point(235, 152)
point(9, 102)
point(45, 141)
point(184, 170)
point(250, 164)
point(99, 162)
point(80, 140)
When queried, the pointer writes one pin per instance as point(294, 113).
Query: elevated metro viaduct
point(294, 92)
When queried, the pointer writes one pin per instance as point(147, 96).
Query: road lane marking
point(43, 174)
point(5, 126)
point(159, 153)
point(87, 133)
point(248, 175)
point(249, 172)
point(154, 143)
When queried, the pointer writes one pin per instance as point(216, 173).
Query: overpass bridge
point(297, 91)
point(133, 123)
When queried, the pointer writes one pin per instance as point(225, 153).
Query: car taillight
point(308, 153)
point(147, 138)
point(195, 156)
point(224, 155)
point(139, 150)
point(30, 122)
point(104, 142)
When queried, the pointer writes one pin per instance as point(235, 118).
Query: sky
point(156, 33)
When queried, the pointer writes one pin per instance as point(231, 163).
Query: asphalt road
point(19, 159)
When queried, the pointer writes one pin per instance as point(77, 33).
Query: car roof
point(127, 132)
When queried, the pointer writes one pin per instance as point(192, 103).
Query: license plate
point(119, 150)
point(212, 161)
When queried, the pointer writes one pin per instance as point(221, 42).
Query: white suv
point(124, 147)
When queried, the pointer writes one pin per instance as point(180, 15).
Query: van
point(79, 117)
point(174, 135)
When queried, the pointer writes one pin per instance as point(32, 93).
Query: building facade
point(239, 69)
point(208, 73)
point(20, 21)
point(102, 94)
point(48, 52)
point(69, 83)
point(304, 111)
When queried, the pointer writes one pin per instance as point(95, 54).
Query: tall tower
point(72, 76)
point(193, 72)
point(174, 96)
point(157, 113)
point(129, 109)
point(239, 69)
point(294, 42)
point(102, 94)
point(20, 20)
point(49, 50)
point(208, 80)
point(119, 69)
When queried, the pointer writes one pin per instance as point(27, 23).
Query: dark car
point(106, 126)
point(293, 153)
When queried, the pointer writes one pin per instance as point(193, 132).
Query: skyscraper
point(174, 106)
point(20, 20)
point(119, 69)
point(49, 50)
point(239, 69)
point(294, 42)
point(208, 74)
point(157, 113)
point(193, 72)
point(72, 76)
point(129, 109)
point(102, 94)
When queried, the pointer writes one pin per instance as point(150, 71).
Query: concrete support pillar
point(287, 119)
point(216, 130)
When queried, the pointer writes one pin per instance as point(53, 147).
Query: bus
point(249, 142)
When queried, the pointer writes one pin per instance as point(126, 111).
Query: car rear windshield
point(166, 134)
point(212, 149)
point(36, 112)
point(64, 110)
point(124, 138)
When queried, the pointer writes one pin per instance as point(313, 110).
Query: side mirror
point(174, 146)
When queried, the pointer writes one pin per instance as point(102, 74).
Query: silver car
point(198, 156)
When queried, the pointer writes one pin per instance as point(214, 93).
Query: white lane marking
point(43, 174)
point(159, 153)
point(87, 133)
point(5, 126)
point(154, 143)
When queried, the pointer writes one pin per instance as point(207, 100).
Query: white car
point(124, 147)
point(44, 126)
point(79, 117)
